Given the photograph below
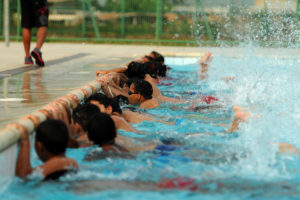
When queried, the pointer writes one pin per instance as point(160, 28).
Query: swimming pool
point(202, 162)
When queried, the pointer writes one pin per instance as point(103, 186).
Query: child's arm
point(119, 70)
point(23, 166)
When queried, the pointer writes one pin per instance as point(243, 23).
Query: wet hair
point(82, 114)
point(158, 68)
point(158, 57)
point(162, 71)
point(116, 106)
point(134, 70)
point(101, 129)
point(143, 88)
point(121, 100)
point(139, 70)
point(132, 80)
point(54, 135)
point(149, 58)
point(106, 101)
point(151, 68)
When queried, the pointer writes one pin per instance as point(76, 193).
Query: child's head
point(134, 69)
point(157, 57)
point(51, 139)
point(82, 113)
point(105, 104)
point(101, 129)
point(140, 91)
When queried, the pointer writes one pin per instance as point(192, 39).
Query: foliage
point(137, 5)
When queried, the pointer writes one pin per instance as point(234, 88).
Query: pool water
point(198, 160)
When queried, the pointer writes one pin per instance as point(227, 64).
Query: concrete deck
point(57, 53)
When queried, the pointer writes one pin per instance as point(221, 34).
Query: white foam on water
point(269, 88)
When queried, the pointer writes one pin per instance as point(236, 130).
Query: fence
point(189, 22)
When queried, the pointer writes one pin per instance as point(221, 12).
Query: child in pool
point(83, 114)
point(51, 141)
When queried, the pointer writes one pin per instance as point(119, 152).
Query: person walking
point(34, 13)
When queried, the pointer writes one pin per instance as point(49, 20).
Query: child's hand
point(35, 119)
point(47, 113)
point(98, 72)
point(24, 133)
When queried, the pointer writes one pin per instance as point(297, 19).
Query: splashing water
point(268, 85)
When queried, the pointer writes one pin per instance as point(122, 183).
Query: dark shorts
point(34, 13)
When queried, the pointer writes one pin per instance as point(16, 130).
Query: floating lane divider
point(58, 109)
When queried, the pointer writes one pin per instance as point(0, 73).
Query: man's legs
point(41, 36)
point(36, 53)
point(41, 14)
point(26, 40)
